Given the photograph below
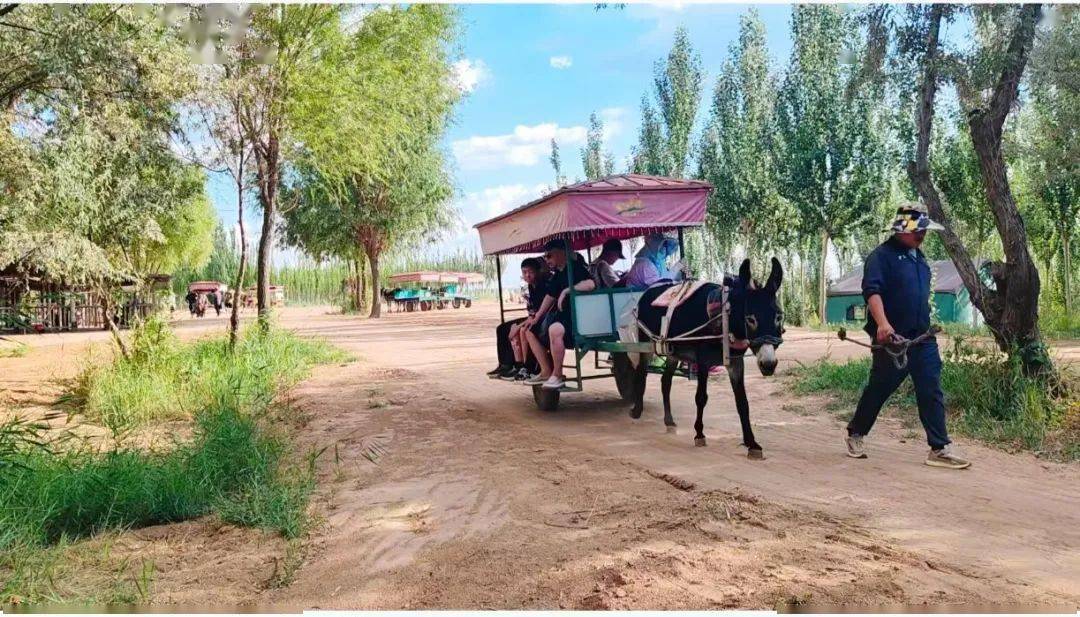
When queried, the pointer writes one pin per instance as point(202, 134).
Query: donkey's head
point(755, 315)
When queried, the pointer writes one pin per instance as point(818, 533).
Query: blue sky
point(533, 72)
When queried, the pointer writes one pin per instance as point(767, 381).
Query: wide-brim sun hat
point(912, 217)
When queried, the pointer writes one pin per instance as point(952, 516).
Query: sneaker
point(855, 446)
point(522, 375)
point(509, 374)
point(498, 370)
point(946, 458)
point(554, 382)
point(535, 380)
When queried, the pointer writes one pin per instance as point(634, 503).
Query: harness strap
point(662, 340)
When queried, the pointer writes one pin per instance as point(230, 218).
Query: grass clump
point(165, 380)
point(987, 395)
point(237, 465)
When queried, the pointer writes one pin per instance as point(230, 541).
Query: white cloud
point(468, 74)
point(526, 146)
point(561, 62)
point(495, 200)
point(614, 119)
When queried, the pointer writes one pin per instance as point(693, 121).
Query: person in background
point(509, 335)
point(559, 327)
point(601, 269)
point(896, 286)
point(650, 263)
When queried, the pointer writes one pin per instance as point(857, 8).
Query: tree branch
point(1007, 88)
point(919, 169)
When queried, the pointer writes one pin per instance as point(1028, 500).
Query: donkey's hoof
point(699, 442)
point(671, 429)
point(756, 453)
point(635, 414)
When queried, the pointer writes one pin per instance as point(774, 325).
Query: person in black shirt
point(557, 323)
point(514, 363)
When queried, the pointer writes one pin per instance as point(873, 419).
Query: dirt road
point(442, 489)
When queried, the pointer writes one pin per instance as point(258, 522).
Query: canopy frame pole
point(682, 245)
point(571, 255)
point(498, 278)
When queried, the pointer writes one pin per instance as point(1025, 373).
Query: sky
point(533, 72)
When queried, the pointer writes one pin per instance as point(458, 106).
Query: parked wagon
point(584, 215)
point(424, 291)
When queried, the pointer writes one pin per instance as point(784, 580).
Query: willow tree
point(284, 44)
point(831, 159)
point(371, 122)
point(987, 82)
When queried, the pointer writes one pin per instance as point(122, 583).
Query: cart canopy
point(622, 206)
point(206, 286)
point(460, 278)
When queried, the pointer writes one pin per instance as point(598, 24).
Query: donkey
point(755, 321)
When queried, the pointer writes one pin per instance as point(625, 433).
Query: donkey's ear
point(744, 273)
point(776, 276)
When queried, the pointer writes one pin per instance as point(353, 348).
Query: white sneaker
point(947, 458)
point(554, 382)
point(855, 446)
point(535, 380)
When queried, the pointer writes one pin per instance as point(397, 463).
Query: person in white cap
point(896, 286)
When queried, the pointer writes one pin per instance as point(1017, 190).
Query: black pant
point(502, 344)
point(924, 366)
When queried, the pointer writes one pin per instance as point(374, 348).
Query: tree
point(1010, 302)
point(1052, 151)
point(831, 159)
point(595, 162)
point(556, 164)
point(285, 42)
point(737, 144)
point(664, 142)
point(376, 172)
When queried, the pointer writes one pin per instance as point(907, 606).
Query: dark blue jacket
point(903, 282)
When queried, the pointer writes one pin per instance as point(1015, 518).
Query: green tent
point(951, 301)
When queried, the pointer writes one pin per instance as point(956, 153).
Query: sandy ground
point(442, 489)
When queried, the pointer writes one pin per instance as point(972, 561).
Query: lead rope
point(898, 349)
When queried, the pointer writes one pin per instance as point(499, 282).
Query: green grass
point(17, 351)
point(987, 396)
point(166, 380)
point(238, 465)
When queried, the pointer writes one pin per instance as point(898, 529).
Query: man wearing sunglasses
point(896, 286)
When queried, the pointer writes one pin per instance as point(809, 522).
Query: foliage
point(663, 147)
point(594, 160)
point(375, 175)
point(831, 162)
point(737, 144)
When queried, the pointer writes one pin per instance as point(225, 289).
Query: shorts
point(567, 322)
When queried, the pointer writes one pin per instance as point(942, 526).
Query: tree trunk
point(361, 284)
point(822, 278)
point(1068, 275)
point(238, 285)
point(373, 263)
point(1011, 307)
point(106, 307)
point(268, 184)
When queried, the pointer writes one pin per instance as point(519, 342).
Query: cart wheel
point(425, 306)
point(546, 398)
point(624, 375)
point(410, 307)
point(441, 304)
point(457, 302)
point(468, 303)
